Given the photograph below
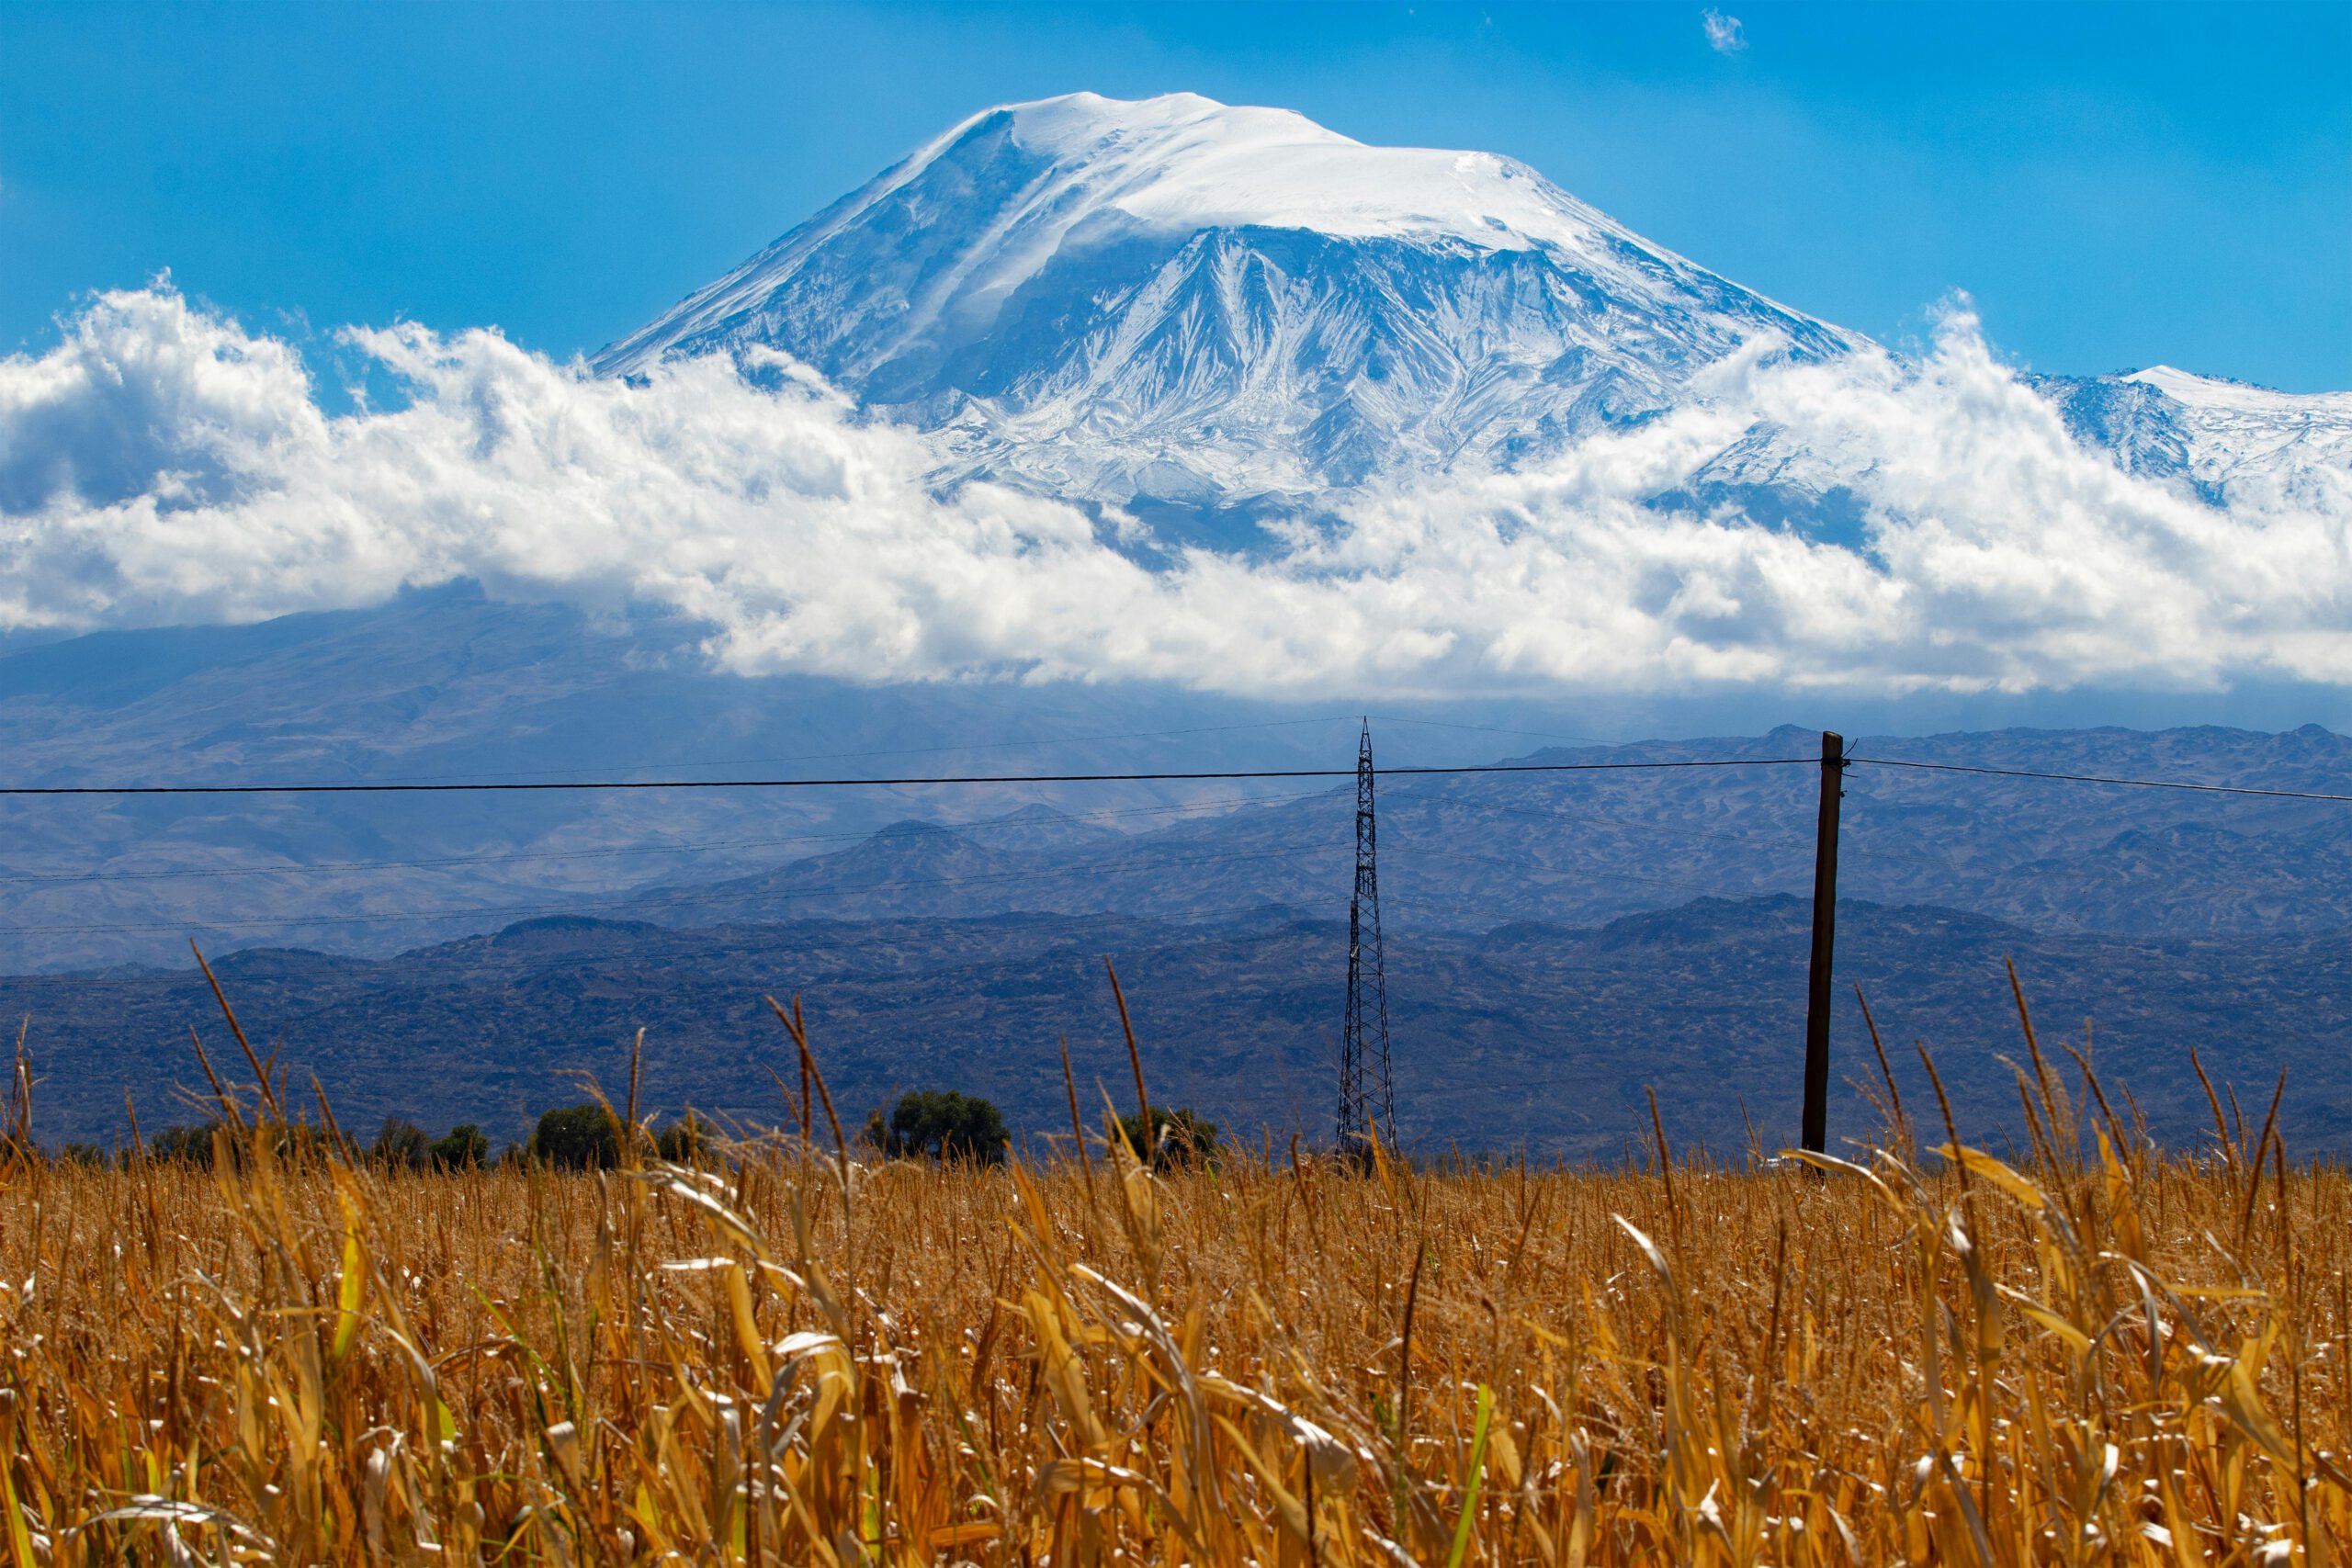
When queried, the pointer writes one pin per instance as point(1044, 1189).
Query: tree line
point(941, 1126)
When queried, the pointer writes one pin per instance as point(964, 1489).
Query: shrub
point(401, 1145)
point(192, 1145)
point(577, 1138)
point(682, 1142)
point(941, 1125)
point(1176, 1137)
point(298, 1143)
point(463, 1148)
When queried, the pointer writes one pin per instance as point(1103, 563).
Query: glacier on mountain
point(1207, 315)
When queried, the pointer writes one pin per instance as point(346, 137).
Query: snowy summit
point(1182, 300)
point(1195, 306)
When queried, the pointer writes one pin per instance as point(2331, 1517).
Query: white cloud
point(163, 466)
point(1725, 35)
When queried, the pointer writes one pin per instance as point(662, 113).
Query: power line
point(2100, 779)
point(725, 901)
point(1672, 829)
point(1205, 776)
point(291, 868)
point(909, 751)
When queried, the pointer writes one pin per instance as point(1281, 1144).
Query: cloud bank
point(163, 466)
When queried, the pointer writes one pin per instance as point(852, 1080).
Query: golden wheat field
point(787, 1354)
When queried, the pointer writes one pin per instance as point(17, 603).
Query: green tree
point(942, 1125)
point(401, 1145)
point(682, 1142)
point(1175, 1138)
point(190, 1144)
point(462, 1149)
point(577, 1138)
point(83, 1154)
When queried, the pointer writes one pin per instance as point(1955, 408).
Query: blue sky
point(2115, 185)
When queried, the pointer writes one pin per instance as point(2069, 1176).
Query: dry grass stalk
point(2106, 1357)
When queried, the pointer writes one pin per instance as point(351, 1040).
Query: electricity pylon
point(1367, 1104)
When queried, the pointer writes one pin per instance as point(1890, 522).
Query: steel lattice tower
point(1366, 1103)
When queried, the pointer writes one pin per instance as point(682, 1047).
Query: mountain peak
point(1078, 122)
point(1176, 299)
point(985, 206)
point(1185, 161)
point(2223, 392)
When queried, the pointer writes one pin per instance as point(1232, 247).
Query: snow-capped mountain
point(2218, 436)
point(1178, 302)
point(1186, 302)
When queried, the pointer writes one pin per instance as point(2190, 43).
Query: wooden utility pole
point(1824, 944)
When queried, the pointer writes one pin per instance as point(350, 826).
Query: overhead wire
point(1669, 829)
point(709, 900)
point(2098, 779)
point(705, 896)
point(905, 750)
point(1204, 775)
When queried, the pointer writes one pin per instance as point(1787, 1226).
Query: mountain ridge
point(1539, 1035)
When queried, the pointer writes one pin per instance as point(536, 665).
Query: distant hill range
point(1588, 932)
point(448, 686)
point(1530, 1035)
